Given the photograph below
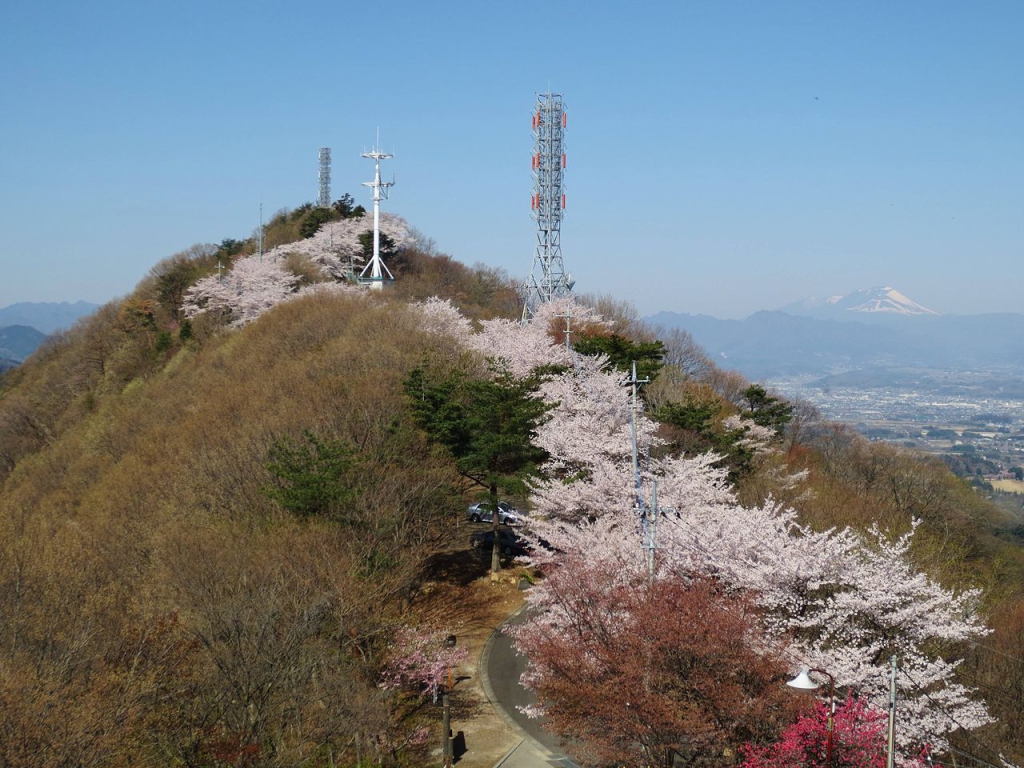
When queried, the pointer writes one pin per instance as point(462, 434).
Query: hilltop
point(171, 600)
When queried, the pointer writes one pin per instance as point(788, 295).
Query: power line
point(1002, 692)
point(974, 758)
point(1018, 659)
point(953, 720)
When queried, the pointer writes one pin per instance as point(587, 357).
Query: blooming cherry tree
point(255, 284)
point(442, 318)
point(248, 290)
point(421, 659)
point(839, 600)
point(336, 248)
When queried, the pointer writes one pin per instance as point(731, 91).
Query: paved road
point(503, 667)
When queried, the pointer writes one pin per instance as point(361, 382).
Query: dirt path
point(474, 611)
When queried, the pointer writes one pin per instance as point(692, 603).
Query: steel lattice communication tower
point(324, 198)
point(548, 279)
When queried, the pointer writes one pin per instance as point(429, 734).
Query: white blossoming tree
point(839, 600)
point(255, 284)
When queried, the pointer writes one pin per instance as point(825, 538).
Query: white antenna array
point(376, 267)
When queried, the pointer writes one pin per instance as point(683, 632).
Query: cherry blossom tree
point(843, 601)
point(255, 284)
point(839, 601)
point(249, 289)
point(421, 659)
point(335, 247)
point(442, 318)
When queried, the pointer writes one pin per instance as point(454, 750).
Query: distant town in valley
point(967, 418)
point(950, 386)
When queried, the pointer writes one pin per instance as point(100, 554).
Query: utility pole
point(891, 755)
point(259, 234)
point(446, 725)
point(651, 529)
point(635, 382)
point(648, 515)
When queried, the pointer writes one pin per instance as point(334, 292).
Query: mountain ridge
point(775, 343)
point(46, 316)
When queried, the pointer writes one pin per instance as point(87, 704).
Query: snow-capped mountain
point(878, 329)
point(871, 301)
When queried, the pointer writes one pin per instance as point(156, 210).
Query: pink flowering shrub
point(420, 659)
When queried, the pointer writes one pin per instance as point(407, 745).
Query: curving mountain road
point(503, 667)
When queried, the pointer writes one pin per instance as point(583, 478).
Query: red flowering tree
point(630, 670)
point(858, 740)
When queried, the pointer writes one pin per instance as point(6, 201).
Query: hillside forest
point(226, 498)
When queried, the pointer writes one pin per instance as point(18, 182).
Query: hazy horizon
point(722, 158)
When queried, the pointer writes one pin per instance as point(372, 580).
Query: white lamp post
point(804, 682)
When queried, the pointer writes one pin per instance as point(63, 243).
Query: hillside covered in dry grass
point(161, 605)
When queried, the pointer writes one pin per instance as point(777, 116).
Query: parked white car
point(483, 512)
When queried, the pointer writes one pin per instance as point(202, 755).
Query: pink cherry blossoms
point(335, 246)
point(248, 290)
point(838, 599)
point(255, 284)
point(421, 659)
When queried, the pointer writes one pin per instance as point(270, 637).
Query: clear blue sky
point(724, 156)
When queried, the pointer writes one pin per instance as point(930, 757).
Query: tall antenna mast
point(548, 279)
point(376, 267)
point(259, 234)
point(324, 199)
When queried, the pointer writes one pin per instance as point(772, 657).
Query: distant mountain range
point(46, 316)
point(873, 329)
point(19, 341)
point(24, 326)
point(872, 301)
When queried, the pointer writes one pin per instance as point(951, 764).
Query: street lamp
point(803, 682)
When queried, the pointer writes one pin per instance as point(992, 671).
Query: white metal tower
point(375, 267)
point(548, 278)
point(324, 198)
